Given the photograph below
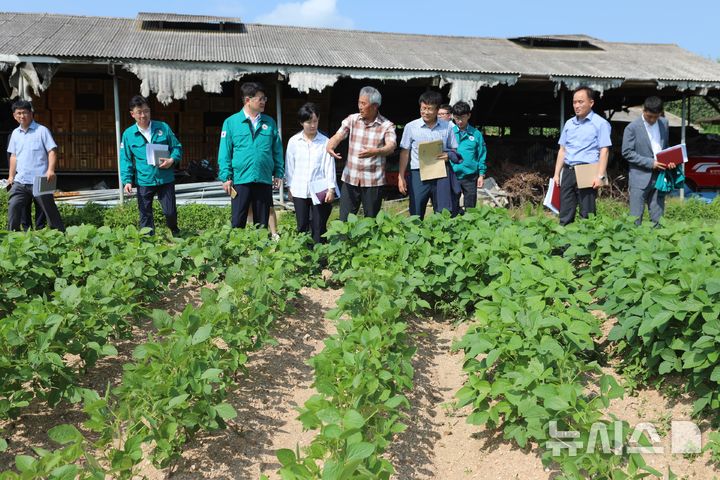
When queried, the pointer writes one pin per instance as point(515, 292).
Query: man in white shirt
point(642, 139)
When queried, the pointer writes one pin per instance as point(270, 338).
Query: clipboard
point(430, 167)
point(41, 186)
point(154, 152)
point(586, 173)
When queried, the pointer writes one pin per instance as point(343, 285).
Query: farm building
point(81, 71)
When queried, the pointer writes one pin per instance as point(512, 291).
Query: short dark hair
point(445, 106)
point(653, 105)
point(250, 89)
point(461, 108)
point(21, 104)
point(588, 91)
point(306, 112)
point(138, 101)
point(431, 98)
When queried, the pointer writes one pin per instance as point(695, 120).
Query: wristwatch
point(602, 177)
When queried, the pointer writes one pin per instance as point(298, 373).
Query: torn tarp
point(25, 80)
point(173, 80)
point(464, 86)
point(597, 84)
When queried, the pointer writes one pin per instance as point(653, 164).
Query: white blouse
point(307, 162)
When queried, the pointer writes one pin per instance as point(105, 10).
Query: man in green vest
point(153, 179)
point(250, 158)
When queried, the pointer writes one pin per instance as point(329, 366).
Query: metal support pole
point(116, 98)
point(682, 132)
point(562, 109)
point(278, 108)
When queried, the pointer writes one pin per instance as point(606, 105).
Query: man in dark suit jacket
point(642, 139)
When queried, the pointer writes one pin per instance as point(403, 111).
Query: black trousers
point(166, 196)
point(259, 195)
point(468, 185)
point(351, 196)
point(20, 201)
point(570, 196)
point(312, 218)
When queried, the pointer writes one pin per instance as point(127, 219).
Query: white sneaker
point(276, 237)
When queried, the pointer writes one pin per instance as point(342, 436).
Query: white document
point(41, 186)
point(319, 190)
point(154, 152)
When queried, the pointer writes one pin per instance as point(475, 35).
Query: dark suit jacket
point(638, 152)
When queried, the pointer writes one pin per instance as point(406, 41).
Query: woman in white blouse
point(310, 175)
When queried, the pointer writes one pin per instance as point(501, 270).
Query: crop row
point(178, 381)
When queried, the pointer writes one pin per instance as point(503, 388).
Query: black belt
point(572, 167)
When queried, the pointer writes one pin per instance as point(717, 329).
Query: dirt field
point(438, 444)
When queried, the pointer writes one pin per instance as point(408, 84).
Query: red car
point(702, 172)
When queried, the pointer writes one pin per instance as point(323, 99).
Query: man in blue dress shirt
point(33, 153)
point(425, 129)
point(585, 139)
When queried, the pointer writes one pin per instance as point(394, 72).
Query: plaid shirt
point(366, 172)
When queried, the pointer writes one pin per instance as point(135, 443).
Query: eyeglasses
point(22, 113)
point(145, 111)
point(260, 99)
point(427, 109)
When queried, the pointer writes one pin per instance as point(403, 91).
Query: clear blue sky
point(692, 25)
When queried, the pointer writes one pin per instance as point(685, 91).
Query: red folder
point(676, 155)
point(552, 197)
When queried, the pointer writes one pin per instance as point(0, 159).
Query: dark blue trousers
point(442, 192)
point(166, 196)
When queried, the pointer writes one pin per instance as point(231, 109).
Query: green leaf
point(651, 322)
point(666, 367)
point(353, 420)
point(25, 463)
point(177, 400)
point(108, 350)
point(395, 401)
point(201, 334)
point(211, 374)
point(65, 472)
point(226, 411)
point(715, 375)
point(329, 415)
point(64, 434)
point(556, 403)
point(360, 451)
point(3, 445)
point(286, 457)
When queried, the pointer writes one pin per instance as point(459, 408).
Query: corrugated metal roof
point(177, 17)
point(119, 38)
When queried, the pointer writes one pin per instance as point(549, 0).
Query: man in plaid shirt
point(372, 139)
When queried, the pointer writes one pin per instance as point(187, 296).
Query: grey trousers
point(639, 197)
point(21, 199)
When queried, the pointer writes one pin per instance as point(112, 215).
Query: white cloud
point(309, 13)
